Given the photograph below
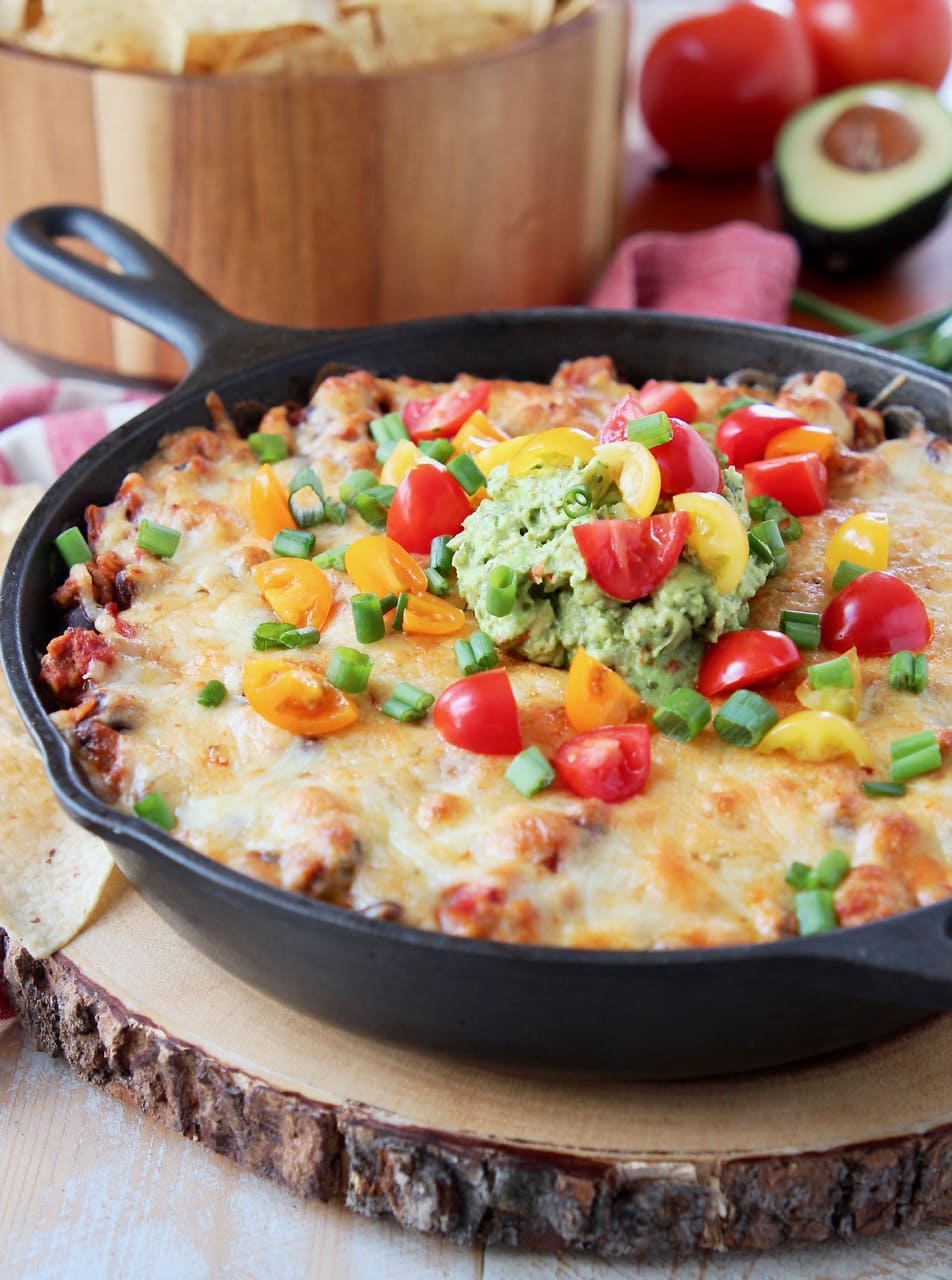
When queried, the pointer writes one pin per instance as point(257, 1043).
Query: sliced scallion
point(463, 653)
point(875, 787)
point(739, 402)
point(270, 635)
point(815, 911)
point(441, 557)
point(403, 600)
point(436, 581)
point(388, 602)
point(501, 591)
point(465, 471)
point(294, 543)
point(373, 504)
point(484, 651)
point(916, 763)
point(384, 450)
point(744, 718)
point(306, 478)
point(915, 742)
point(389, 427)
point(154, 809)
point(908, 671)
point(530, 772)
point(651, 430)
point(73, 547)
point(158, 539)
point(268, 446)
point(832, 868)
point(332, 559)
point(349, 669)
point(407, 703)
point(762, 507)
point(846, 572)
point(682, 714)
point(835, 674)
point(357, 482)
point(438, 450)
point(368, 617)
point(799, 875)
point(301, 637)
point(335, 512)
point(803, 628)
point(307, 507)
point(213, 694)
point(577, 501)
point(767, 544)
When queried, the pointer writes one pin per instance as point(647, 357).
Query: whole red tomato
point(855, 41)
point(715, 89)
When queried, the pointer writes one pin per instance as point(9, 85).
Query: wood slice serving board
point(850, 1145)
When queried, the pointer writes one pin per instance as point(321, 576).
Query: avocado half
point(864, 173)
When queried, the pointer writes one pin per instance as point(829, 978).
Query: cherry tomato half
point(687, 463)
point(444, 415)
point(428, 502)
point(746, 660)
point(799, 482)
point(743, 435)
point(478, 713)
point(629, 559)
point(716, 88)
point(611, 764)
point(615, 426)
point(878, 614)
point(667, 397)
point(856, 41)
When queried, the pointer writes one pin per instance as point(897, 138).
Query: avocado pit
point(871, 137)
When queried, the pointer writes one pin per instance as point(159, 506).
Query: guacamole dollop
point(655, 643)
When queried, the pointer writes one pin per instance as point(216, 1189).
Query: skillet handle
point(150, 290)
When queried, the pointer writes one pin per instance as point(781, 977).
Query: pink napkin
point(738, 270)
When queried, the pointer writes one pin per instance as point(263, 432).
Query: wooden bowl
point(329, 201)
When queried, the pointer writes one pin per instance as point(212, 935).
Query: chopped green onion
point(158, 539)
point(767, 544)
point(465, 660)
point(213, 695)
point(270, 635)
point(301, 637)
point(465, 471)
point(384, 450)
point(332, 559)
point(484, 651)
point(530, 772)
point(803, 628)
point(441, 557)
point(915, 742)
point(438, 450)
point(306, 478)
point(437, 583)
point(908, 671)
point(374, 503)
point(356, 483)
point(294, 543)
point(651, 430)
point(73, 547)
point(501, 591)
point(389, 427)
point(368, 617)
point(307, 507)
point(815, 911)
point(744, 718)
point(335, 512)
point(915, 763)
point(402, 601)
point(835, 674)
point(739, 402)
point(799, 875)
point(832, 868)
point(876, 788)
point(846, 572)
point(407, 703)
point(388, 602)
point(349, 669)
point(153, 808)
point(682, 714)
point(577, 501)
point(762, 507)
point(268, 446)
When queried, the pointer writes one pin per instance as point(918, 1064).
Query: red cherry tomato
point(428, 502)
point(687, 463)
point(746, 660)
point(743, 435)
point(798, 482)
point(715, 89)
point(855, 41)
point(611, 764)
point(443, 415)
point(667, 397)
point(478, 713)
point(629, 559)
point(879, 614)
point(615, 426)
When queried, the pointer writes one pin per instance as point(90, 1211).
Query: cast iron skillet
point(635, 1014)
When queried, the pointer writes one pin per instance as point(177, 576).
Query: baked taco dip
point(579, 664)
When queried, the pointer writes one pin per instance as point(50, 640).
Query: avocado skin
point(863, 250)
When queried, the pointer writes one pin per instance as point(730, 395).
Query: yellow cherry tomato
point(819, 440)
point(716, 536)
point(428, 615)
point(595, 695)
point(478, 433)
point(296, 590)
point(488, 459)
point(817, 736)
point(863, 539)
point(378, 564)
point(560, 447)
point(404, 458)
point(635, 472)
point(269, 503)
point(296, 697)
point(845, 702)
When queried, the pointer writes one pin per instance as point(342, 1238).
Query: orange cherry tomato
point(294, 696)
point(427, 615)
point(806, 439)
point(296, 590)
point(595, 695)
point(379, 564)
point(269, 503)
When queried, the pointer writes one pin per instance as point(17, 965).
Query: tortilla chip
point(230, 16)
point(424, 32)
point(285, 51)
point(52, 872)
point(110, 33)
point(13, 18)
point(566, 10)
